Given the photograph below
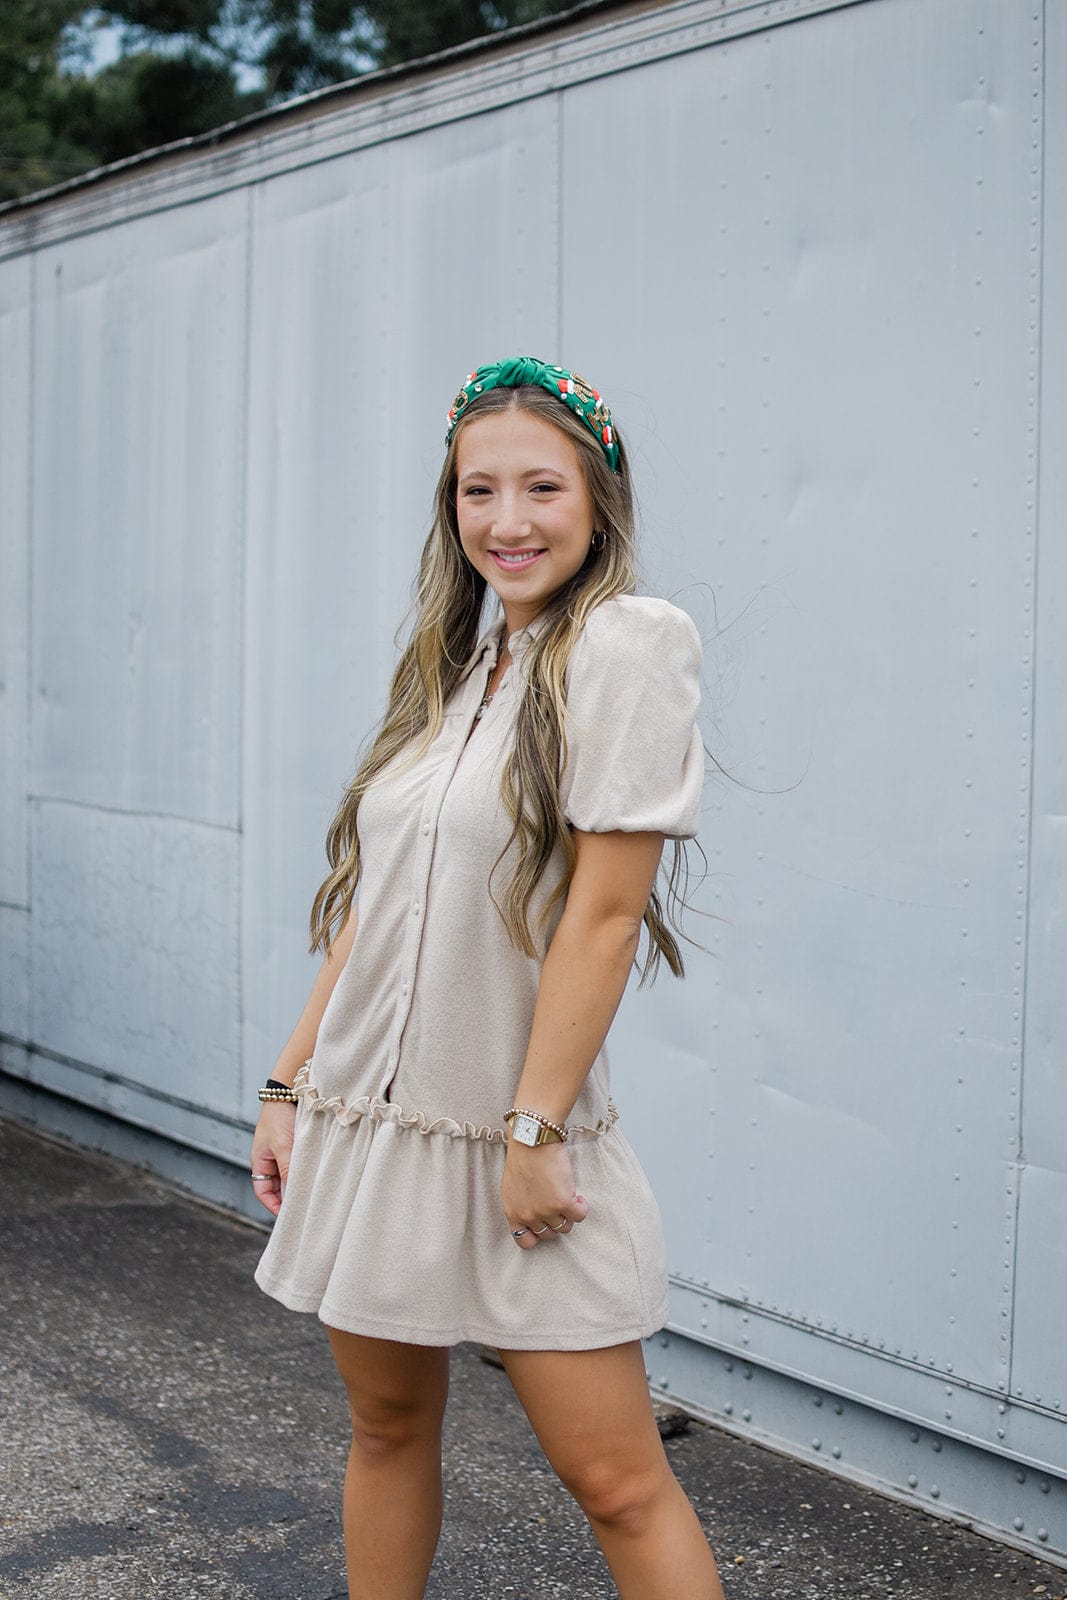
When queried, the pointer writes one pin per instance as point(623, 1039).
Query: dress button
point(415, 909)
point(426, 827)
point(403, 988)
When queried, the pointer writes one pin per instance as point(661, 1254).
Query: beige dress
point(391, 1223)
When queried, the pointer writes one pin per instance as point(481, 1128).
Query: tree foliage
point(186, 66)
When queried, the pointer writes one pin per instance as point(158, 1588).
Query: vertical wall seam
point(242, 607)
point(1036, 352)
point(31, 451)
point(561, 353)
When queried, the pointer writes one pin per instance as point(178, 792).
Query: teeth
point(523, 555)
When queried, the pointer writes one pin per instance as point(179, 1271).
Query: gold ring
point(540, 1231)
point(556, 1226)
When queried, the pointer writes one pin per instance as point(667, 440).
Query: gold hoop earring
point(598, 541)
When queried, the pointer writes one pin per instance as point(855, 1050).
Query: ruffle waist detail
point(348, 1112)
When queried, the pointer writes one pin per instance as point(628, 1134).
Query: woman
point(456, 1172)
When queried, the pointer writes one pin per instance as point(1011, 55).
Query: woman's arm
point(585, 972)
point(272, 1142)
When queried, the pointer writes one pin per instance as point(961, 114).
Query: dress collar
point(488, 646)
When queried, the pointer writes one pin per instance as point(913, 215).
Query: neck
point(516, 618)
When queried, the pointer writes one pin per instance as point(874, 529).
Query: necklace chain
point(487, 698)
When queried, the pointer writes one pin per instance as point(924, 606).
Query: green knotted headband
point(577, 395)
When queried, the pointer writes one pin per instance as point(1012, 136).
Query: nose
point(512, 520)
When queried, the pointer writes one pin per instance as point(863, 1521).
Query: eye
point(550, 488)
point(474, 490)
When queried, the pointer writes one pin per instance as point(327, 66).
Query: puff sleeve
point(635, 758)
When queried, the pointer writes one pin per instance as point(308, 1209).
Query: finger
point(266, 1188)
point(524, 1237)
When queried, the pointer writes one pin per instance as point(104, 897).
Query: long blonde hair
point(449, 597)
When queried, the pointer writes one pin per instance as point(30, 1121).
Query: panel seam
point(31, 453)
point(1037, 348)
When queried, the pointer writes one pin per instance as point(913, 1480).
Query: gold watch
point(530, 1128)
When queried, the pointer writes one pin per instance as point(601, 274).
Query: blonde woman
point(437, 1141)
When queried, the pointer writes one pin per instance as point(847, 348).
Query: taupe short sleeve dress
point(391, 1223)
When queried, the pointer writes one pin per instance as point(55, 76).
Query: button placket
point(422, 862)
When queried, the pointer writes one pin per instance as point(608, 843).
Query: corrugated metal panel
point(137, 482)
point(16, 301)
point(1038, 1368)
point(846, 456)
point(134, 954)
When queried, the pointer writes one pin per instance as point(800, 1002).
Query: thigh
point(590, 1409)
point(387, 1380)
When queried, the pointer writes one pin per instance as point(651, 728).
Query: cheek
point(465, 526)
point(473, 553)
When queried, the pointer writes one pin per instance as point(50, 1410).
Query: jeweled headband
point(577, 395)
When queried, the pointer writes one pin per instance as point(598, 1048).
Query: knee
point(616, 1497)
point(382, 1431)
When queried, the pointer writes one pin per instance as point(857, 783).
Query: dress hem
point(496, 1338)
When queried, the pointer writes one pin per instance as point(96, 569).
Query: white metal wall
point(819, 270)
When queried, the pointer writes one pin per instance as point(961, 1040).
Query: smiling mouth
point(515, 560)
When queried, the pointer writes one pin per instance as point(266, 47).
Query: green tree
point(31, 155)
point(187, 66)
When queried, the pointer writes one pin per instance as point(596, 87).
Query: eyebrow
point(535, 472)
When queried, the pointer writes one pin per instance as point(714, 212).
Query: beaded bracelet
point(275, 1090)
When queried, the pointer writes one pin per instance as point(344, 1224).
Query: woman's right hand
point(272, 1148)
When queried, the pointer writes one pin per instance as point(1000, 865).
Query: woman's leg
point(392, 1502)
point(592, 1413)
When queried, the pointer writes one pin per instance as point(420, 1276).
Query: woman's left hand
point(538, 1193)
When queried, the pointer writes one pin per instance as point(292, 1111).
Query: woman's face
point(524, 509)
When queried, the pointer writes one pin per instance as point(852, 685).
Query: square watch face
point(525, 1130)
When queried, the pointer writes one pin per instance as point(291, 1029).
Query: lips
point(515, 560)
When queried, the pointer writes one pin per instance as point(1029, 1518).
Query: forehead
point(509, 438)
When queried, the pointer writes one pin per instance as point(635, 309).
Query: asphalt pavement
point(165, 1429)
